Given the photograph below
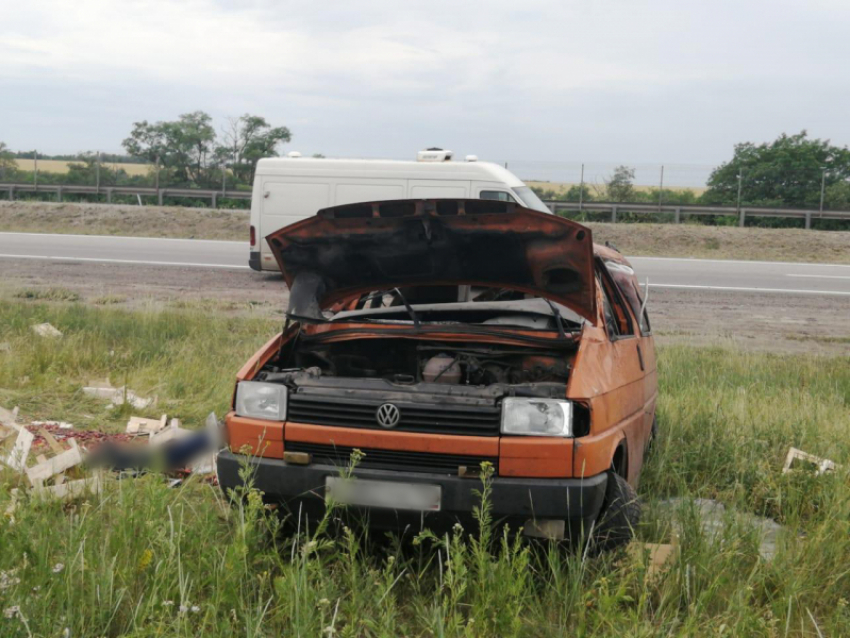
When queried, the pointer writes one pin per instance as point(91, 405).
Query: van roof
point(308, 166)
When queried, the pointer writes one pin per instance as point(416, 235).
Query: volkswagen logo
point(387, 416)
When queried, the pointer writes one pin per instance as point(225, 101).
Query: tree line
point(186, 152)
point(793, 171)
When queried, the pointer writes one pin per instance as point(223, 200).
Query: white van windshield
point(530, 199)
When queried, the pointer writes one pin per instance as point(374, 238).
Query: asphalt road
point(674, 273)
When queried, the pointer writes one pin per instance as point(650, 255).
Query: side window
point(613, 303)
point(499, 196)
point(624, 278)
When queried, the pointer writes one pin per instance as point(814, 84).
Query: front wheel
point(620, 514)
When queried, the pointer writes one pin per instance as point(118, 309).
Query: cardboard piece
point(658, 555)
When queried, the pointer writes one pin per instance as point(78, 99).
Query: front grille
point(429, 418)
point(400, 461)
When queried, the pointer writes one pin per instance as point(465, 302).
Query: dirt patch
point(126, 220)
point(752, 322)
point(651, 240)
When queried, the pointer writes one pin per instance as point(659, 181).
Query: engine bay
point(408, 361)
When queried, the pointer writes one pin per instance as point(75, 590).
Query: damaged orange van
point(433, 336)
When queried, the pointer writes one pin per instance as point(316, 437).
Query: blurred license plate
point(397, 496)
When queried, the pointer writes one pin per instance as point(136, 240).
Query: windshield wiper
point(558, 319)
point(409, 308)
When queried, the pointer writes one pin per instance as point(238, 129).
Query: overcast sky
point(633, 81)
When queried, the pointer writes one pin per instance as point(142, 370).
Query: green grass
point(133, 555)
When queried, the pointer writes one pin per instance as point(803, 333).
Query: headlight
point(261, 400)
point(537, 417)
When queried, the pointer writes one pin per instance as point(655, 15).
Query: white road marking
point(232, 242)
point(741, 289)
point(739, 261)
point(125, 261)
point(821, 276)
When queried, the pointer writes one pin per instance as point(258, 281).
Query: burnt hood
point(356, 248)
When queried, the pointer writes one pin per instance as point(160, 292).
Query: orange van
point(432, 336)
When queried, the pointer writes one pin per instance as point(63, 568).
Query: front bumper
point(513, 500)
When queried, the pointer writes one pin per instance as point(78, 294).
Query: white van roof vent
point(471, 158)
point(434, 155)
point(293, 154)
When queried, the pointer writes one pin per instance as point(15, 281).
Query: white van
point(287, 190)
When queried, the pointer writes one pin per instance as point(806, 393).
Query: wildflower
point(183, 609)
point(167, 603)
point(324, 602)
point(145, 560)
point(309, 548)
point(11, 612)
point(36, 589)
point(195, 609)
point(58, 567)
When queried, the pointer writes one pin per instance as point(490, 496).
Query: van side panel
point(285, 203)
point(352, 192)
point(434, 188)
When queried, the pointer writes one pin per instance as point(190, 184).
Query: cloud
point(376, 77)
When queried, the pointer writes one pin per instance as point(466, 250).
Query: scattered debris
point(821, 465)
point(8, 418)
point(117, 396)
point(140, 425)
point(713, 519)
point(658, 555)
point(46, 330)
point(58, 449)
point(51, 467)
point(62, 425)
point(173, 431)
point(16, 458)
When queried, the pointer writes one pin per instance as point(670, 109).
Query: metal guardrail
point(139, 191)
point(614, 208)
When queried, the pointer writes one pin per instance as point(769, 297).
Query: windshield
point(530, 199)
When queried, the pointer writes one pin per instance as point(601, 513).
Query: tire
point(619, 517)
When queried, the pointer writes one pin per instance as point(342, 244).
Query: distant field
point(563, 187)
point(60, 166)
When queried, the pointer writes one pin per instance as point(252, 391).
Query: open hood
point(347, 250)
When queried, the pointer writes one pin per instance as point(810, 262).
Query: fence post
point(97, 174)
point(613, 214)
point(822, 190)
point(159, 194)
point(214, 198)
point(59, 193)
point(11, 193)
point(581, 190)
point(677, 218)
point(808, 221)
point(35, 171)
point(108, 195)
point(738, 205)
point(159, 197)
point(742, 216)
point(661, 189)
